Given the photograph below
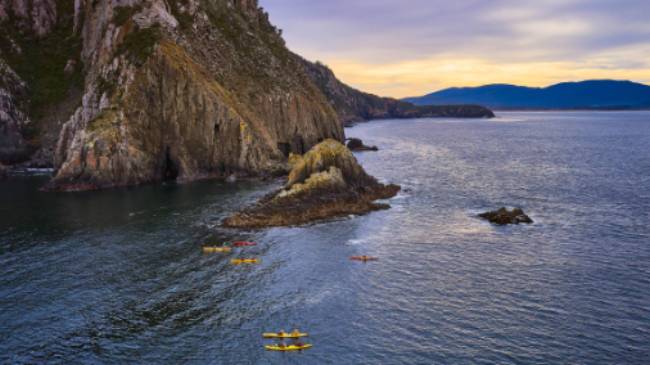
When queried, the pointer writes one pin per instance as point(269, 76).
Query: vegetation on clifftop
point(139, 44)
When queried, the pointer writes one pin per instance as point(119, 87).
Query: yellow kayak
point(209, 249)
point(244, 261)
point(287, 347)
point(284, 335)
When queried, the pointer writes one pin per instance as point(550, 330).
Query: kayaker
point(282, 333)
point(295, 333)
point(282, 345)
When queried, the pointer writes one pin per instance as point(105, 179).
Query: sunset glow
point(389, 49)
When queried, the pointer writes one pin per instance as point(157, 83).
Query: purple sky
point(411, 47)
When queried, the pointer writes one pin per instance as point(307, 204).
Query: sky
point(405, 48)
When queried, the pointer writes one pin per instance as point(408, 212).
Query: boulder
point(326, 182)
point(504, 216)
point(356, 144)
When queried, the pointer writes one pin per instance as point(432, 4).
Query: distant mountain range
point(591, 94)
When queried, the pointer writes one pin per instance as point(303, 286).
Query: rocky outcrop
point(504, 216)
point(356, 144)
point(354, 106)
point(326, 182)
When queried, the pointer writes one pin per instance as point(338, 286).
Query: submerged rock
point(326, 182)
point(356, 144)
point(504, 216)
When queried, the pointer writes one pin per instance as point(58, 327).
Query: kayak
point(287, 347)
point(284, 335)
point(244, 244)
point(244, 261)
point(364, 258)
point(208, 249)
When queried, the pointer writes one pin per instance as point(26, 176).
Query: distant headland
point(583, 95)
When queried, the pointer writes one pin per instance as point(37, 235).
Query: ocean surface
point(119, 277)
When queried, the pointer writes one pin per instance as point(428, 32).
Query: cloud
point(395, 47)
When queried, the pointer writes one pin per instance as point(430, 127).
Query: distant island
point(587, 95)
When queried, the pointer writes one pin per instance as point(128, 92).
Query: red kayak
point(244, 244)
point(364, 258)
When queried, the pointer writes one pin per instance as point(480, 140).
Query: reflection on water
point(120, 276)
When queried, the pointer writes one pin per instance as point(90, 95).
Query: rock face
point(326, 182)
point(178, 90)
point(355, 144)
point(124, 92)
point(504, 216)
point(13, 120)
point(354, 106)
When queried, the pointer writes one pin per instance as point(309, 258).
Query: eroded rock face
point(118, 93)
point(356, 144)
point(184, 91)
point(169, 89)
point(504, 216)
point(326, 182)
point(13, 120)
point(39, 16)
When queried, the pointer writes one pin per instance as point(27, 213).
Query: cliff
point(160, 90)
point(353, 105)
point(125, 92)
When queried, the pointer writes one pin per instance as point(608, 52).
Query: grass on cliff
point(139, 44)
point(122, 14)
point(185, 20)
point(256, 48)
point(42, 61)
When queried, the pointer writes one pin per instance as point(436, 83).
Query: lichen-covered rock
point(504, 216)
point(355, 144)
point(325, 155)
point(326, 182)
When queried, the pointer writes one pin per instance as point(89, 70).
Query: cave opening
point(170, 170)
point(285, 148)
point(299, 143)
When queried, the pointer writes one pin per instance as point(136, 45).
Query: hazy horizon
point(392, 49)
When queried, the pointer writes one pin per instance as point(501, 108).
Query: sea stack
point(326, 182)
point(504, 216)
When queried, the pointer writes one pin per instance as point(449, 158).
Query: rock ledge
point(355, 144)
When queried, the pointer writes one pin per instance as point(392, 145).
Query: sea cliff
point(118, 93)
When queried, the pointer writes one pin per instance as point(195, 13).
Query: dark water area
point(119, 277)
